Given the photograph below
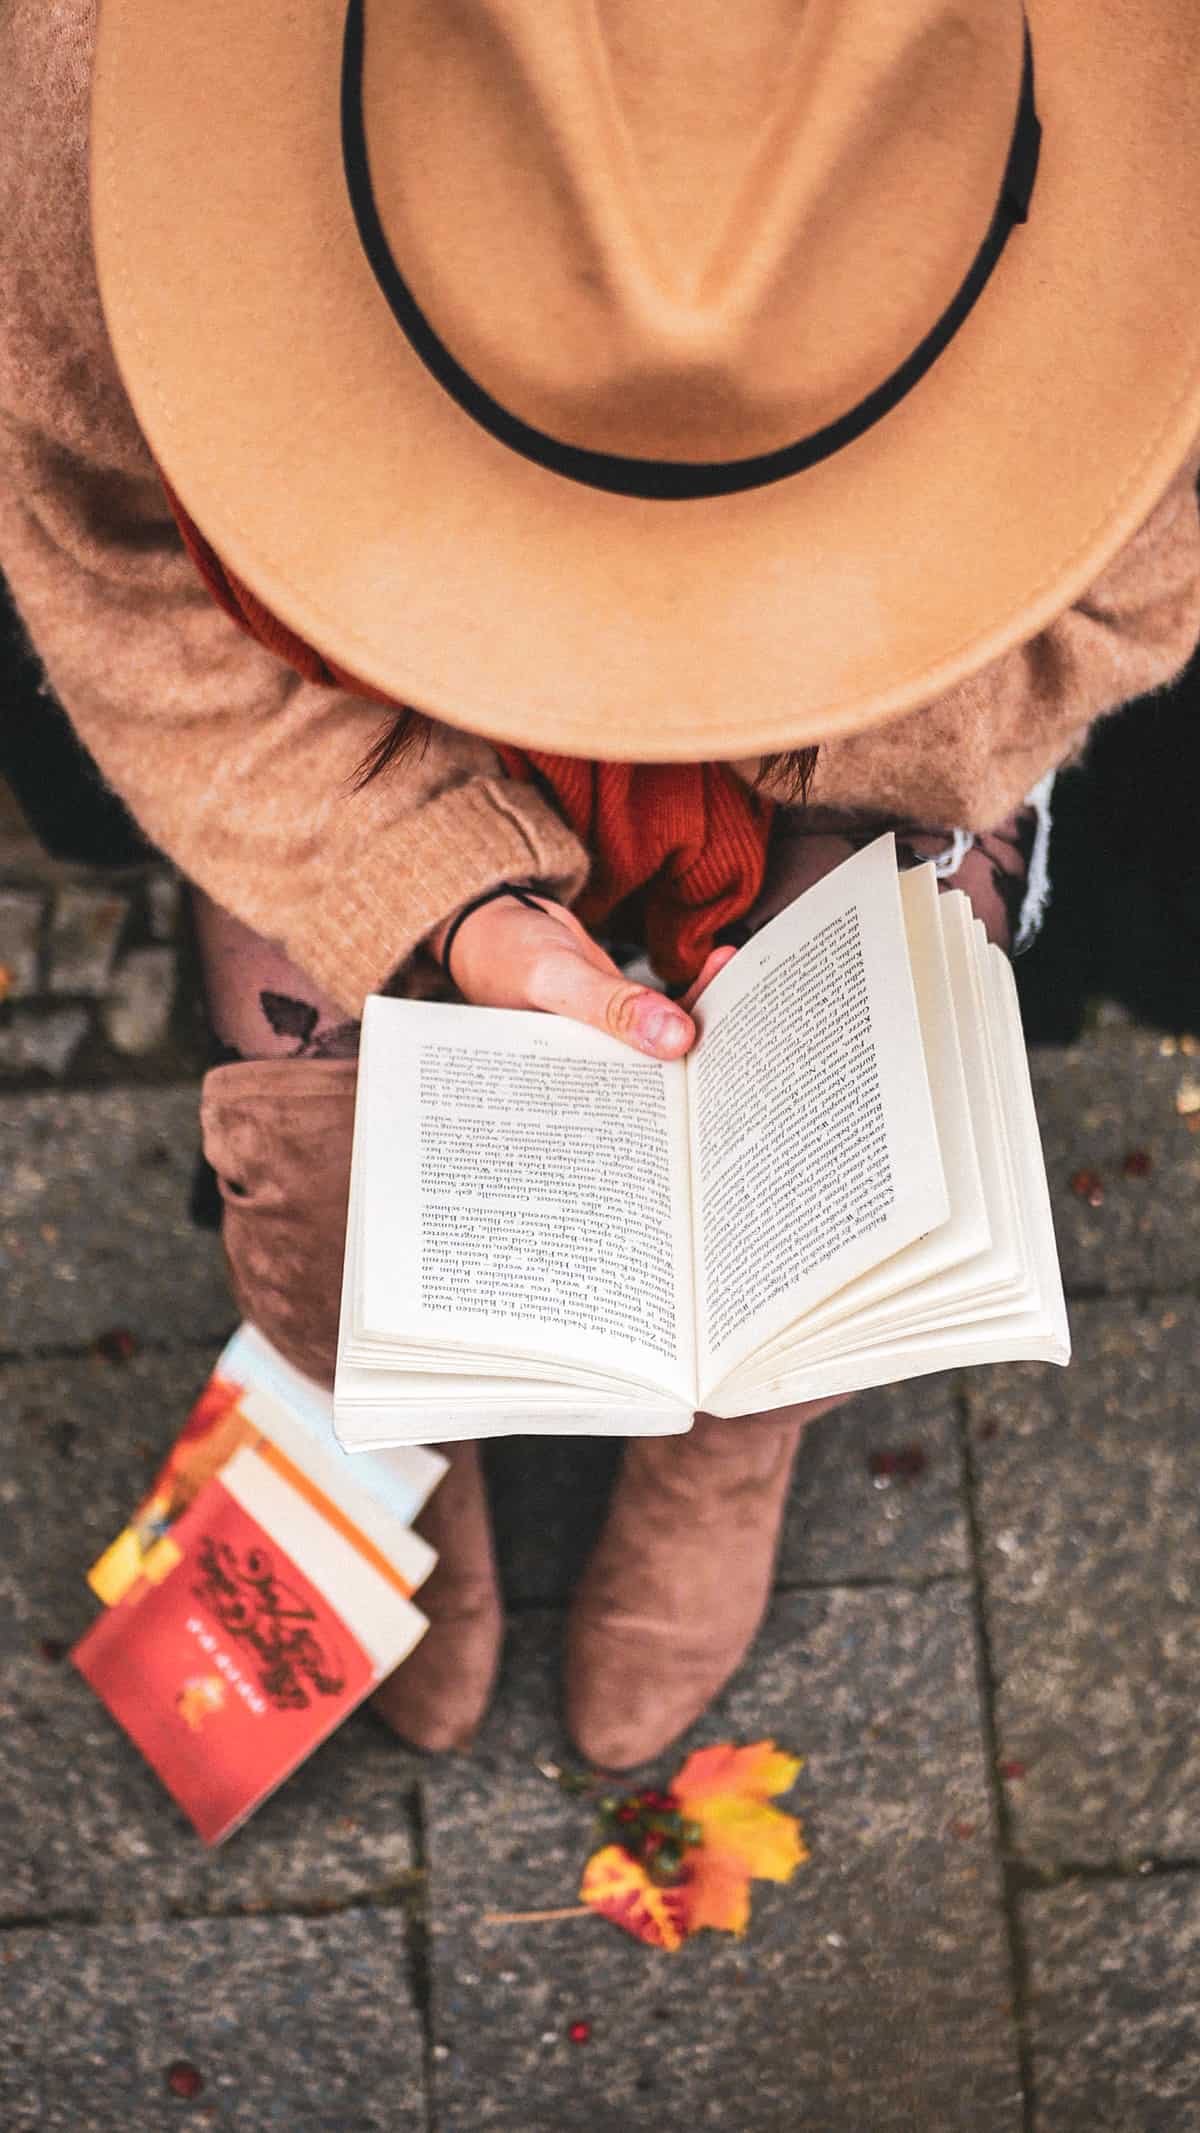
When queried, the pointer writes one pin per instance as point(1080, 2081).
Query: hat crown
point(674, 228)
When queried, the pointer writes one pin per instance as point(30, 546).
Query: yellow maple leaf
point(727, 1791)
point(757, 1772)
point(620, 1889)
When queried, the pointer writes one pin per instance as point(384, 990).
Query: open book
point(840, 1186)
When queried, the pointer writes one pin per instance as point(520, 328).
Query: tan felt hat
point(657, 379)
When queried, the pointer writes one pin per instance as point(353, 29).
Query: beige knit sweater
point(242, 773)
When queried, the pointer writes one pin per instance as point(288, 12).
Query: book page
point(382, 1495)
point(524, 1193)
point(814, 1149)
point(1033, 1184)
point(955, 1257)
point(1032, 1325)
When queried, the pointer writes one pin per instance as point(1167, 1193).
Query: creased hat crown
point(656, 380)
point(689, 230)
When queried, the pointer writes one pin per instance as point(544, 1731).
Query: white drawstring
point(1037, 881)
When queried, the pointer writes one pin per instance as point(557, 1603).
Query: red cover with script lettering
point(229, 1672)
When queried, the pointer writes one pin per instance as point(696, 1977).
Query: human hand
point(506, 954)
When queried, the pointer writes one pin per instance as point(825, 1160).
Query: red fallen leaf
point(184, 2079)
point(962, 1829)
point(727, 1834)
point(115, 1346)
point(1012, 1770)
point(621, 1889)
point(1088, 1185)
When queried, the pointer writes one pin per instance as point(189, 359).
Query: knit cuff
point(404, 886)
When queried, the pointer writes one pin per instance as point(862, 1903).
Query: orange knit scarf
point(678, 850)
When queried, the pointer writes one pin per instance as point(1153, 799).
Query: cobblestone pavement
point(991, 1668)
point(95, 967)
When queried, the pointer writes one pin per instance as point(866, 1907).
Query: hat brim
point(362, 505)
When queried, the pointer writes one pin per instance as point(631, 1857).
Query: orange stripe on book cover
point(299, 1481)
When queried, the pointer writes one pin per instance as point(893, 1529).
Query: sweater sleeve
point(242, 773)
point(969, 759)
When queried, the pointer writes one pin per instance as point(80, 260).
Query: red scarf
point(678, 850)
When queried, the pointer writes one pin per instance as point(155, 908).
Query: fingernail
point(663, 1031)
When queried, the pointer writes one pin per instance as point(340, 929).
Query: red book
point(230, 1669)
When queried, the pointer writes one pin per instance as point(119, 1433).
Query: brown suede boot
point(437, 1696)
point(678, 1582)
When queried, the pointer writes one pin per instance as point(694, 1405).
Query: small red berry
point(115, 1346)
point(184, 2079)
point(580, 2032)
point(1138, 1163)
point(1088, 1185)
point(907, 1462)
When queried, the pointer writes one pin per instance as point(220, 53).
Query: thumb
point(567, 983)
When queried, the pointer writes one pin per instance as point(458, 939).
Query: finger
point(561, 981)
point(714, 962)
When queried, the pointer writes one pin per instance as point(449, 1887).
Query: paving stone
point(87, 1826)
point(294, 2025)
point(878, 1490)
point(42, 1041)
point(1089, 1479)
point(1099, 1101)
point(843, 1519)
point(137, 1012)
point(873, 1991)
point(85, 928)
point(1114, 2015)
point(94, 1228)
point(20, 931)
